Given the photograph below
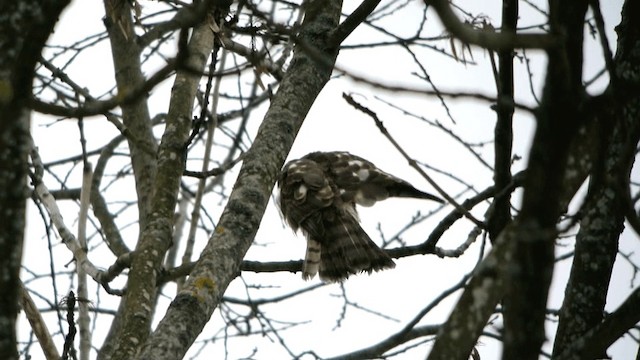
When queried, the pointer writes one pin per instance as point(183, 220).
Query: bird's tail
point(312, 259)
point(349, 250)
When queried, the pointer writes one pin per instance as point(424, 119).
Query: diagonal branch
point(412, 162)
point(407, 332)
point(352, 21)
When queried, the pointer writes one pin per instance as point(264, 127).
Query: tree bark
point(501, 212)
point(617, 113)
point(156, 237)
point(25, 26)
point(220, 261)
point(530, 266)
point(135, 114)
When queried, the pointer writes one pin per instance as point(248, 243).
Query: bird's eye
point(300, 192)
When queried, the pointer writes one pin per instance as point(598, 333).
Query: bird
point(318, 194)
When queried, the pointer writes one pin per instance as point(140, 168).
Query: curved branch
point(49, 202)
point(91, 108)
point(489, 39)
point(408, 332)
point(100, 209)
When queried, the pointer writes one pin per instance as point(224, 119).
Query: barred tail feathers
point(312, 257)
point(349, 250)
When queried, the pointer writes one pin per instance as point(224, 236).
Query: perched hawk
point(319, 193)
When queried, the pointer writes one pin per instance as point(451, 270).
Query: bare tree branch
point(353, 20)
point(487, 39)
point(156, 237)
point(38, 325)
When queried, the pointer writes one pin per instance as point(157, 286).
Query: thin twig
point(411, 161)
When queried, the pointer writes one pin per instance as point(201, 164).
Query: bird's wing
point(360, 181)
